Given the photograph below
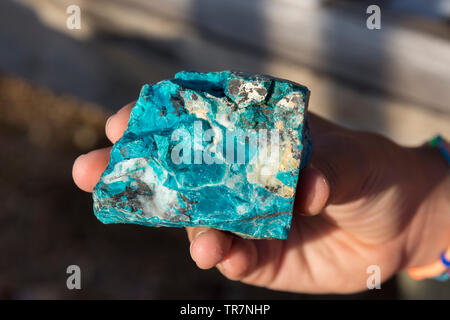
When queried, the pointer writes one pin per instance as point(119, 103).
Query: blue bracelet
point(443, 277)
point(444, 261)
point(438, 142)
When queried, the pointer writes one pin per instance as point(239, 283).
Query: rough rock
point(220, 149)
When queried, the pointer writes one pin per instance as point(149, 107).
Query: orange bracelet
point(437, 270)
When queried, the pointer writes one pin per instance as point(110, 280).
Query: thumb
point(337, 173)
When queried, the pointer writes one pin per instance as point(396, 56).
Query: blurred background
point(59, 85)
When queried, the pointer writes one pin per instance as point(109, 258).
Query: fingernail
point(108, 120)
point(195, 238)
point(220, 267)
point(79, 157)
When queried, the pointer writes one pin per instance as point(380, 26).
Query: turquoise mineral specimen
point(220, 150)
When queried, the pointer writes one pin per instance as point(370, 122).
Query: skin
point(362, 201)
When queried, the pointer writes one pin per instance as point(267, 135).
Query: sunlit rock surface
point(221, 150)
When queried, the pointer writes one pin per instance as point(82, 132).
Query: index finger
point(117, 123)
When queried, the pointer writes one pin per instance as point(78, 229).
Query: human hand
point(362, 201)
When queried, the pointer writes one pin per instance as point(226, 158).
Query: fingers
point(208, 246)
point(88, 168)
point(233, 256)
point(117, 123)
point(240, 261)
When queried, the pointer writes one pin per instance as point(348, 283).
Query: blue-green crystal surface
point(172, 167)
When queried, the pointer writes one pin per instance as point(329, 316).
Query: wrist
point(429, 232)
